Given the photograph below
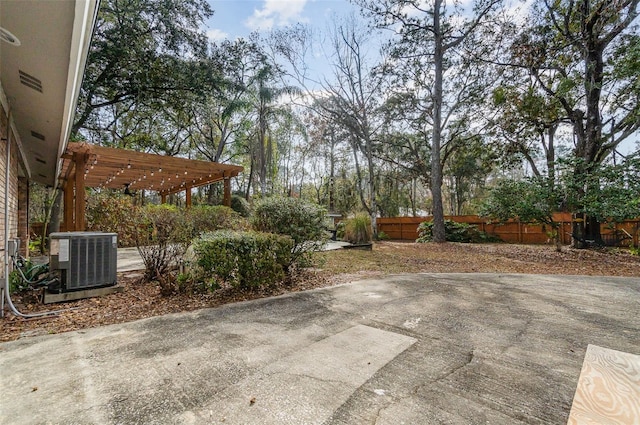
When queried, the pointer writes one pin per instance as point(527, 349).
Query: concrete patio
point(407, 349)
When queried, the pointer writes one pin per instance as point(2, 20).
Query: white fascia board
point(12, 128)
point(84, 20)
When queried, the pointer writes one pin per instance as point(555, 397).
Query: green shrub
point(382, 236)
point(304, 222)
point(162, 235)
point(240, 205)
point(206, 218)
point(113, 212)
point(16, 283)
point(455, 232)
point(357, 230)
point(243, 259)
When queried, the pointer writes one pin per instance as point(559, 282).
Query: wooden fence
point(406, 228)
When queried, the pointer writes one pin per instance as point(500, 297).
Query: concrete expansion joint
point(395, 329)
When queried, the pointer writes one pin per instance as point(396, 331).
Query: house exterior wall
point(13, 184)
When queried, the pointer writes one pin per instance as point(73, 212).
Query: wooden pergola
point(85, 165)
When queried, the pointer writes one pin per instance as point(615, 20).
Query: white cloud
point(276, 13)
point(518, 11)
point(217, 35)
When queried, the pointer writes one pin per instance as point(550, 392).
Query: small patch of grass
point(379, 260)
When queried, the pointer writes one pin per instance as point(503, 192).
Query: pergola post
point(188, 197)
point(226, 200)
point(81, 162)
point(163, 198)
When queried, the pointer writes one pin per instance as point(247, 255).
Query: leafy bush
point(243, 259)
point(240, 205)
point(532, 200)
point(16, 283)
point(340, 230)
point(455, 232)
point(113, 212)
point(382, 236)
point(162, 236)
point(302, 221)
point(205, 218)
point(357, 230)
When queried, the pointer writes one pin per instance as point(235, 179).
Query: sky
point(238, 18)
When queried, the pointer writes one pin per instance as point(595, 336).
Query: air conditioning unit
point(84, 260)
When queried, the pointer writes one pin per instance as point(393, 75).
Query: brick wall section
point(3, 146)
point(13, 182)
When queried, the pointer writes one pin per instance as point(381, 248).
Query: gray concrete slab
point(408, 349)
point(129, 260)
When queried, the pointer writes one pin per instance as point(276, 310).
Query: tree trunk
point(363, 201)
point(54, 218)
point(551, 154)
point(332, 175)
point(588, 127)
point(252, 166)
point(373, 213)
point(436, 167)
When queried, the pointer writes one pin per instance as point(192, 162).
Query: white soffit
point(41, 76)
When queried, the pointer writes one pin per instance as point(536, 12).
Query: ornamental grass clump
point(357, 230)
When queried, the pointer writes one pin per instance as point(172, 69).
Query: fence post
point(519, 231)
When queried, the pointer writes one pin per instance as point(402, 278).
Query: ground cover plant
point(140, 299)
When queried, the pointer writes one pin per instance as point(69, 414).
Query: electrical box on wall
point(13, 247)
point(84, 260)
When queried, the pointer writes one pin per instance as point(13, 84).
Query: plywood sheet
point(608, 389)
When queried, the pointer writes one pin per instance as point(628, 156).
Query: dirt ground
point(140, 300)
